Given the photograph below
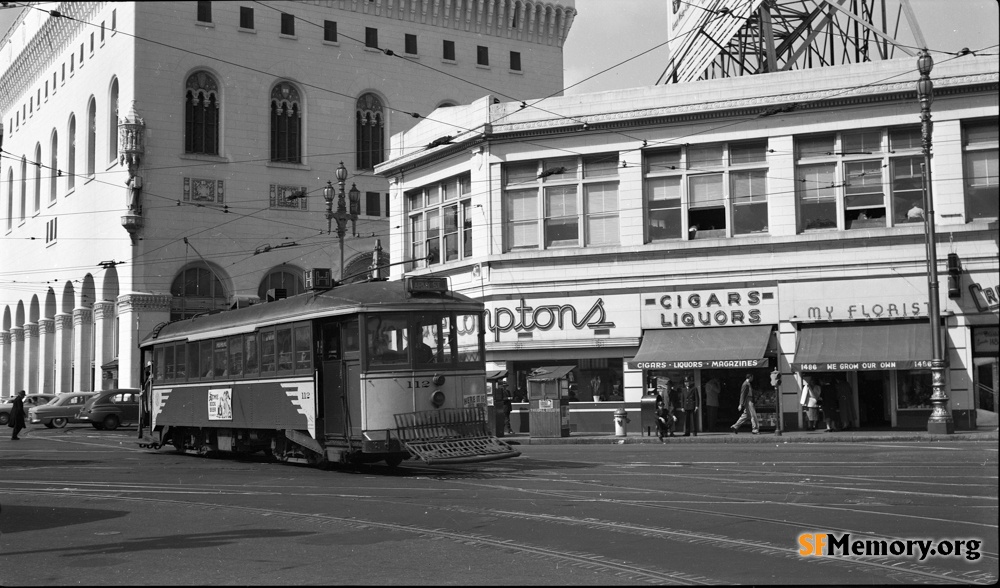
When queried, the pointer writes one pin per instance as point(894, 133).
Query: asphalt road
point(79, 506)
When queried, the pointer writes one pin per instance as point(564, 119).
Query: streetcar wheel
point(59, 422)
point(49, 425)
point(4, 417)
point(111, 422)
point(394, 460)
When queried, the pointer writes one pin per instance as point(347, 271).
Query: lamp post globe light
point(940, 420)
point(342, 215)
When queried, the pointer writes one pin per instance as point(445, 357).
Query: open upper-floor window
point(859, 179)
point(979, 154)
point(706, 191)
point(561, 202)
point(440, 221)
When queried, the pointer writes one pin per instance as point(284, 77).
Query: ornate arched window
point(92, 138)
point(10, 199)
point(286, 124)
point(54, 166)
point(113, 122)
point(24, 185)
point(196, 290)
point(370, 128)
point(38, 178)
point(285, 278)
point(201, 114)
point(71, 156)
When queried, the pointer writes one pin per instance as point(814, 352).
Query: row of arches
point(18, 206)
point(204, 121)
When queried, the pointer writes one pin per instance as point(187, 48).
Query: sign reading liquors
point(717, 307)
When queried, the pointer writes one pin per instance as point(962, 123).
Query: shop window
point(980, 148)
point(913, 389)
point(706, 191)
point(440, 222)
point(564, 202)
point(859, 179)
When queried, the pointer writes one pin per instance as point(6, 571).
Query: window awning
point(549, 373)
point(863, 346)
point(708, 348)
point(496, 375)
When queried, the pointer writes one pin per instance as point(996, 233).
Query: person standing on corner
point(747, 399)
point(689, 400)
point(845, 399)
point(17, 415)
point(712, 390)
point(811, 398)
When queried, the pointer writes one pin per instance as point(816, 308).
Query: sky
point(611, 35)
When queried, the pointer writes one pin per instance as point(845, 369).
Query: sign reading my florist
point(717, 307)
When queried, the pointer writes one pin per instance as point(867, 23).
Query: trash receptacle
point(548, 401)
point(647, 414)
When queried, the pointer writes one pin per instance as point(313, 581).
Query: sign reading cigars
point(719, 307)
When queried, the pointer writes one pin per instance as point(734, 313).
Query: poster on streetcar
point(220, 404)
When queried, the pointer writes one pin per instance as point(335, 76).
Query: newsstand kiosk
point(548, 401)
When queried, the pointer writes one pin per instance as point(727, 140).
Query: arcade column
point(46, 355)
point(83, 353)
point(31, 358)
point(63, 352)
point(16, 359)
point(104, 324)
point(138, 315)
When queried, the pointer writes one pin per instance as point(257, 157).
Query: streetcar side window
point(180, 354)
point(303, 347)
point(221, 358)
point(205, 356)
point(467, 337)
point(236, 356)
point(250, 354)
point(352, 336)
point(267, 352)
point(387, 339)
point(158, 363)
point(168, 363)
point(283, 346)
point(192, 353)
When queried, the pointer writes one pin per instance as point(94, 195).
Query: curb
point(764, 438)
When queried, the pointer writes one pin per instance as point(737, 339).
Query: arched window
point(196, 290)
point(71, 155)
point(38, 177)
point(201, 114)
point(286, 123)
point(92, 138)
point(284, 278)
point(10, 199)
point(370, 129)
point(24, 185)
point(53, 166)
point(113, 122)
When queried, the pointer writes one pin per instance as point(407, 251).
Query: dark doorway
point(873, 390)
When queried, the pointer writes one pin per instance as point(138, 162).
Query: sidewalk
point(984, 434)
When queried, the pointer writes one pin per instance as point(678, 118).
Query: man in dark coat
point(17, 415)
point(689, 400)
point(748, 396)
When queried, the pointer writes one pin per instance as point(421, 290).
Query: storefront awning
point(497, 375)
point(708, 348)
point(861, 346)
point(549, 373)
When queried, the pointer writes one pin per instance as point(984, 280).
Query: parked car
point(60, 410)
point(29, 401)
point(110, 409)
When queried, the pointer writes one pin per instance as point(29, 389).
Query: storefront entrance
point(874, 409)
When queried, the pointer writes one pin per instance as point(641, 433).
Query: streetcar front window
point(387, 340)
point(168, 362)
point(179, 359)
point(158, 363)
point(467, 335)
point(434, 345)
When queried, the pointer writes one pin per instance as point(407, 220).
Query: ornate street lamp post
point(940, 420)
point(342, 215)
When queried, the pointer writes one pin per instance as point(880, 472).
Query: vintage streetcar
point(357, 373)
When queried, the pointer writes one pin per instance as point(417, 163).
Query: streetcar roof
point(346, 299)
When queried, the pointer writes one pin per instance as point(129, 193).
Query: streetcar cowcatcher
point(451, 435)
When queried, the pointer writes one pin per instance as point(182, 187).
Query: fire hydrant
point(621, 418)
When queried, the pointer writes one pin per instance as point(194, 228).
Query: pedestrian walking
point(747, 400)
point(845, 400)
point(831, 411)
point(506, 401)
point(16, 420)
point(811, 399)
point(712, 391)
point(689, 401)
